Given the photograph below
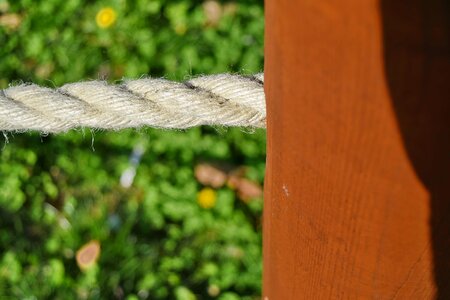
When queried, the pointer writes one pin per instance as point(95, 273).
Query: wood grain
point(357, 184)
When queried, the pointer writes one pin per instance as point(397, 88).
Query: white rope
point(228, 100)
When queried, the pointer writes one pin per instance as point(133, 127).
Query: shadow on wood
point(417, 63)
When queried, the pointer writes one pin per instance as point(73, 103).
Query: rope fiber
point(224, 99)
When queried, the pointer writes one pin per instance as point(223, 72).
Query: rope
point(224, 99)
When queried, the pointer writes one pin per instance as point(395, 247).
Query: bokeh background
point(135, 214)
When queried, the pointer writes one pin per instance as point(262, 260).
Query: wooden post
point(357, 185)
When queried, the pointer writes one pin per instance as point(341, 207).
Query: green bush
point(58, 192)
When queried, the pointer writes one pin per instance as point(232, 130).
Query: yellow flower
point(206, 198)
point(106, 17)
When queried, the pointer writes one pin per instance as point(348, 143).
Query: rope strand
point(224, 99)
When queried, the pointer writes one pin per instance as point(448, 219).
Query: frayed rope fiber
point(224, 99)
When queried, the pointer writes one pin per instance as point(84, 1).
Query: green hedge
point(57, 193)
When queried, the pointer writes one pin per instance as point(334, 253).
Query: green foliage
point(60, 40)
point(59, 192)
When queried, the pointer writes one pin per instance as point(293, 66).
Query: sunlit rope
point(224, 99)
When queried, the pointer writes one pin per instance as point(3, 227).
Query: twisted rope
point(228, 100)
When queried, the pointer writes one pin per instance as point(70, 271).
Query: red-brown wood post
point(357, 184)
